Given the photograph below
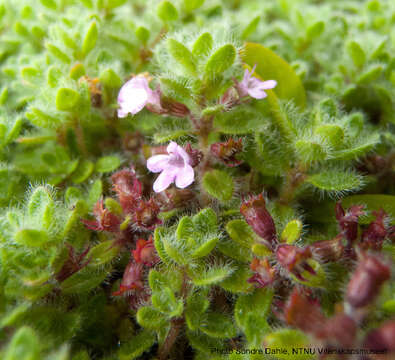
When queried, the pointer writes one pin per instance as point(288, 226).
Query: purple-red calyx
point(365, 283)
point(294, 259)
point(259, 218)
point(132, 279)
point(373, 237)
point(104, 219)
point(145, 253)
point(348, 220)
point(146, 214)
point(264, 274)
point(227, 151)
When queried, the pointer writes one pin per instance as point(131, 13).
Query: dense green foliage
point(324, 133)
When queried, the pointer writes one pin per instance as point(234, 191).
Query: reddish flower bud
point(173, 198)
point(230, 98)
point(264, 273)
point(132, 141)
point(348, 221)
point(366, 281)
point(173, 108)
point(339, 330)
point(94, 90)
point(374, 235)
point(145, 252)
point(382, 338)
point(329, 250)
point(131, 279)
point(146, 214)
point(227, 151)
point(304, 313)
point(257, 216)
point(194, 154)
point(105, 220)
point(128, 189)
point(294, 259)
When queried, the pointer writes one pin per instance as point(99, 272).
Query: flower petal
point(133, 96)
point(172, 147)
point(157, 163)
point(164, 180)
point(269, 84)
point(257, 92)
point(185, 177)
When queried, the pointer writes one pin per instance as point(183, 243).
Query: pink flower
point(254, 87)
point(174, 167)
point(134, 95)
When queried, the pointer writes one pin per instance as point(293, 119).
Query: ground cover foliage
point(271, 223)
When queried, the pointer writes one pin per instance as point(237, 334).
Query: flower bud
point(304, 313)
point(194, 154)
point(382, 338)
point(146, 214)
point(257, 216)
point(348, 221)
point(264, 273)
point(173, 198)
point(94, 90)
point(339, 330)
point(374, 235)
point(128, 189)
point(366, 281)
point(227, 151)
point(174, 108)
point(293, 259)
point(105, 220)
point(230, 98)
point(131, 278)
point(145, 252)
point(132, 141)
point(329, 250)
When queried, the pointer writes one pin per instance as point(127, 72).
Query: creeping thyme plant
point(190, 179)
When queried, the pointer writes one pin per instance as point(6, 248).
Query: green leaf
point(143, 34)
point(251, 27)
point(150, 318)
point(196, 305)
point(191, 5)
point(212, 275)
point(50, 4)
point(234, 250)
point(270, 66)
point(103, 253)
point(90, 39)
point(77, 71)
point(336, 180)
point(221, 60)
point(370, 75)
point(205, 221)
point(107, 164)
point(166, 302)
point(167, 12)
point(55, 51)
point(218, 184)
point(240, 232)
point(356, 53)
point(310, 151)
point(237, 281)
point(83, 281)
point(332, 133)
point(41, 206)
point(139, 344)
point(218, 326)
point(315, 30)
point(84, 170)
point(182, 55)
point(171, 278)
point(110, 79)
point(95, 192)
point(288, 339)
point(292, 231)
point(66, 99)
point(203, 45)
point(40, 118)
point(31, 237)
point(24, 345)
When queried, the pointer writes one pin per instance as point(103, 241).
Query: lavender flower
point(174, 167)
point(134, 95)
point(254, 87)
